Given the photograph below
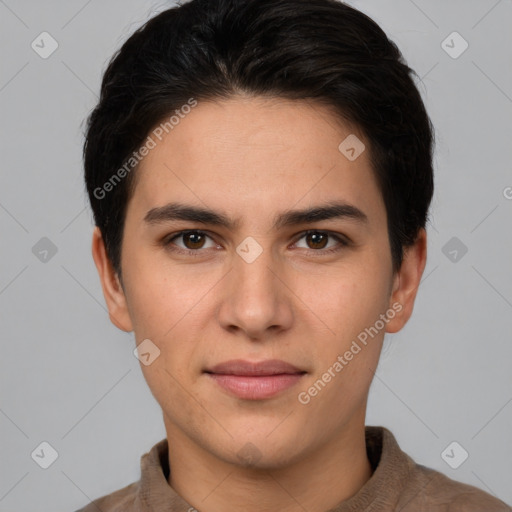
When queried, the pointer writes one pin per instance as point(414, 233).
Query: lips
point(255, 381)
point(248, 368)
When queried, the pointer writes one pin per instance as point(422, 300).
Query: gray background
point(69, 377)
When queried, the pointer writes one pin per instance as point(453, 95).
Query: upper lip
point(241, 367)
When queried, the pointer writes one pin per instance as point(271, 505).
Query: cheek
point(173, 393)
point(348, 303)
point(160, 298)
point(165, 306)
point(348, 298)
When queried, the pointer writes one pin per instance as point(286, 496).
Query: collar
point(391, 471)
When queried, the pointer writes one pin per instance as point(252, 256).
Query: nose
point(256, 299)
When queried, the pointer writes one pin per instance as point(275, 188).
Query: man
point(260, 174)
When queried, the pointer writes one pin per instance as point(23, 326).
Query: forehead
point(252, 154)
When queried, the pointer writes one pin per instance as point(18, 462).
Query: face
point(288, 259)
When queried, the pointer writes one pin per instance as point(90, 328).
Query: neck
point(316, 482)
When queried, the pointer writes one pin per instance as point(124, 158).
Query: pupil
point(315, 239)
point(195, 243)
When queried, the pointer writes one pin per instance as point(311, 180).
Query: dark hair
point(321, 50)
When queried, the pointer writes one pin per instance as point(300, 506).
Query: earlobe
point(111, 285)
point(406, 282)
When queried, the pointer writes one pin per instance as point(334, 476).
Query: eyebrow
point(331, 210)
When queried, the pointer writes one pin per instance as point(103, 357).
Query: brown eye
point(193, 240)
point(322, 242)
point(317, 240)
point(189, 242)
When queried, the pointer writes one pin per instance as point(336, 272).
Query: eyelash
point(167, 242)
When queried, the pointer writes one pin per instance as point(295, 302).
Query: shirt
point(397, 484)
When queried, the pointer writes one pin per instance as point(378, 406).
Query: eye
point(192, 241)
point(317, 241)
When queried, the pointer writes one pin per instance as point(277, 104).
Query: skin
point(252, 158)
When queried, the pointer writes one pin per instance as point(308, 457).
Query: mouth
point(255, 380)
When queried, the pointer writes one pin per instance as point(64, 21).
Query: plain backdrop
point(69, 378)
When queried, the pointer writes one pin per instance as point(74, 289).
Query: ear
point(111, 285)
point(406, 282)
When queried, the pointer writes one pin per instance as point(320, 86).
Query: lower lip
point(256, 387)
